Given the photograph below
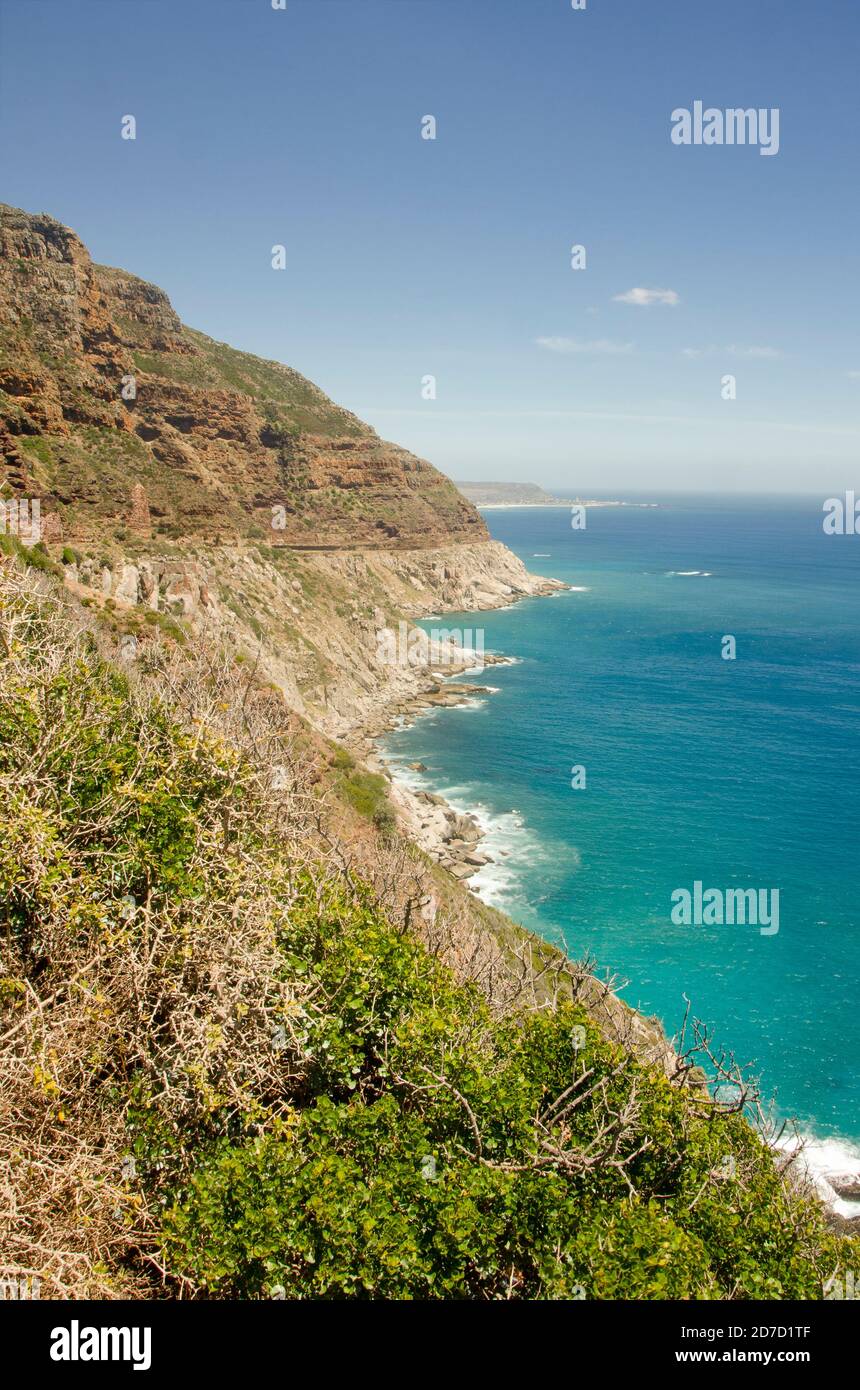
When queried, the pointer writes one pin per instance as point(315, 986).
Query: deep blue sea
point(737, 773)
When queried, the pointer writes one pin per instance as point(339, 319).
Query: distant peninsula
point(530, 495)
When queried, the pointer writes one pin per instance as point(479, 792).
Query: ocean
point(697, 769)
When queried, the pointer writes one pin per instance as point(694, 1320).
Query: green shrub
point(367, 793)
point(33, 556)
point(168, 625)
point(39, 447)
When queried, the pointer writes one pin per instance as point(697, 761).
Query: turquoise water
point(741, 773)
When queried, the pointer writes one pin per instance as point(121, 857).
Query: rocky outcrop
point(227, 492)
point(140, 519)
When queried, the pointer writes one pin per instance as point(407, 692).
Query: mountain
point(215, 437)
point(230, 494)
point(254, 1046)
point(508, 494)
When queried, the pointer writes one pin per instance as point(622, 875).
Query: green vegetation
point(366, 792)
point(169, 626)
point(33, 556)
point(35, 444)
point(230, 1066)
point(93, 466)
point(10, 408)
point(287, 400)
point(135, 622)
point(243, 611)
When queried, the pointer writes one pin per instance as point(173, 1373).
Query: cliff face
point(102, 388)
point(201, 485)
point(312, 623)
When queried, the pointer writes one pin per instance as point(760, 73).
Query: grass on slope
point(283, 394)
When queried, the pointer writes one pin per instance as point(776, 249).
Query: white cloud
point(734, 350)
point(855, 376)
point(647, 297)
point(595, 347)
point(753, 351)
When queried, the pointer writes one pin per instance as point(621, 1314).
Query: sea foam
point(830, 1164)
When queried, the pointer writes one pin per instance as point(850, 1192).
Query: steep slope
point(240, 1061)
point(228, 493)
point(222, 443)
point(177, 848)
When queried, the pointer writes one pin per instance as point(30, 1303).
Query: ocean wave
point(830, 1164)
point(428, 714)
point(506, 837)
point(688, 574)
point(409, 776)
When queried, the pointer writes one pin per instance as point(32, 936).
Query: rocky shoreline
point(450, 837)
point(453, 839)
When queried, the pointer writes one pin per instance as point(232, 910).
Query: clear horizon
point(611, 493)
point(408, 258)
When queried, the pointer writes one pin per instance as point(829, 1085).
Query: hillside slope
point(253, 1038)
point(241, 1061)
point(490, 494)
point(230, 495)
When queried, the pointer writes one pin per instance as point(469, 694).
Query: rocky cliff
point(183, 482)
point(102, 387)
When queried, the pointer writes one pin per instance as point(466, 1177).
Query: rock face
point(140, 521)
point(119, 417)
point(213, 489)
point(313, 621)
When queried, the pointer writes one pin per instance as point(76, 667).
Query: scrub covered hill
point(234, 1066)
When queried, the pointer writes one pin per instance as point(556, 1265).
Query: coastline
point(561, 504)
point(451, 836)
point(455, 838)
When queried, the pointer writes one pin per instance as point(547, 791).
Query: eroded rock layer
point(120, 418)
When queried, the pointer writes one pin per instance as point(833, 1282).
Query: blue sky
point(408, 257)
